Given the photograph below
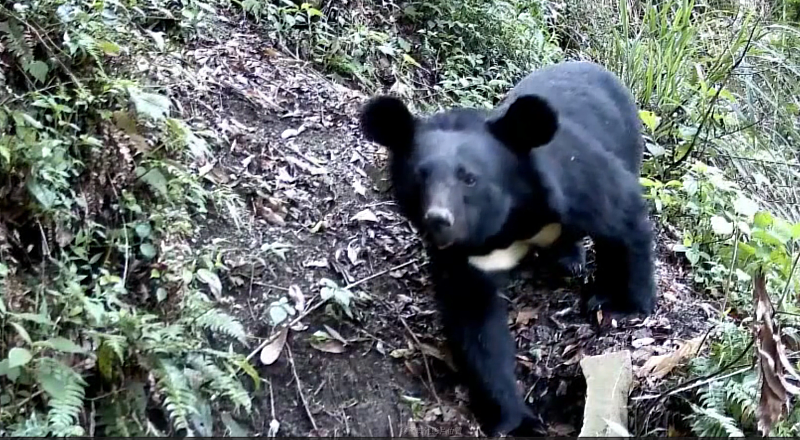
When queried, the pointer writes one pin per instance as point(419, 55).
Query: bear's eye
point(465, 176)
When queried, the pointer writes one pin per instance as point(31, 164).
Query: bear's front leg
point(624, 274)
point(475, 322)
point(569, 254)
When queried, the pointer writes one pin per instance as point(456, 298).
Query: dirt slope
point(303, 191)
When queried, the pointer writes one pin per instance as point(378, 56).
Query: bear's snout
point(439, 225)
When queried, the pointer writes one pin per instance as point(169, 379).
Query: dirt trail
point(303, 191)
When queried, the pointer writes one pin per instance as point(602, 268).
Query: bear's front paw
point(613, 308)
point(531, 426)
point(522, 424)
point(572, 266)
point(572, 260)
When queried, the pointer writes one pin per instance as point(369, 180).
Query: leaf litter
point(272, 351)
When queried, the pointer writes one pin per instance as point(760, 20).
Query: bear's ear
point(529, 122)
point(387, 121)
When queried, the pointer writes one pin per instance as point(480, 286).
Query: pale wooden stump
point(608, 382)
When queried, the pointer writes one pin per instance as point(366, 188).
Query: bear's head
point(459, 174)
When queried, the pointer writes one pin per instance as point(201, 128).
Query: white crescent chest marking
point(508, 258)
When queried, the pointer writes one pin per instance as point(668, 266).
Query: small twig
point(45, 246)
point(694, 385)
point(708, 377)
point(300, 388)
point(276, 334)
point(424, 360)
point(391, 428)
point(271, 401)
point(788, 281)
point(92, 420)
point(372, 337)
point(730, 273)
point(25, 401)
point(380, 274)
point(346, 425)
point(252, 277)
point(127, 253)
point(271, 286)
point(319, 304)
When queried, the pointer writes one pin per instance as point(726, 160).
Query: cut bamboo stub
point(608, 383)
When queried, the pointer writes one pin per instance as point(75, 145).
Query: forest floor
point(319, 206)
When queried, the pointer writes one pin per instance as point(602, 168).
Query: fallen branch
point(300, 388)
point(424, 360)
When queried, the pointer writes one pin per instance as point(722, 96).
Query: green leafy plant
point(97, 322)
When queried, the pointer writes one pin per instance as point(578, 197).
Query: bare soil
point(303, 190)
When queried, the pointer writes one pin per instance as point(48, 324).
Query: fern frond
point(222, 382)
point(33, 426)
point(116, 420)
point(743, 400)
point(122, 414)
point(713, 397)
point(16, 40)
point(221, 323)
point(708, 422)
point(119, 344)
point(170, 340)
point(66, 390)
point(179, 399)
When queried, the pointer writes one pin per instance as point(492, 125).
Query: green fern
point(16, 41)
point(708, 422)
point(725, 408)
point(33, 426)
point(221, 382)
point(118, 344)
point(222, 324)
point(66, 390)
point(122, 414)
point(168, 340)
point(179, 399)
point(742, 400)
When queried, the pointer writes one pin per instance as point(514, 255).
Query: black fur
point(565, 147)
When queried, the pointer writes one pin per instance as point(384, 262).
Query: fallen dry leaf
point(659, 366)
point(772, 362)
point(273, 350)
point(352, 253)
point(365, 216)
point(399, 353)
point(525, 315)
point(292, 132)
point(329, 346)
point(432, 351)
point(641, 342)
point(359, 188)
point(335, 335)
point(296, 295)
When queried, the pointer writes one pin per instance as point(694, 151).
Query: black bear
point(558, 159)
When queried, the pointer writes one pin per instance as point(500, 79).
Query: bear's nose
point(438, 218)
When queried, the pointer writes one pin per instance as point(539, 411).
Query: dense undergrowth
point(105, 307)
point(107, 311)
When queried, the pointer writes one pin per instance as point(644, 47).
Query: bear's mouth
point(442, 243)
